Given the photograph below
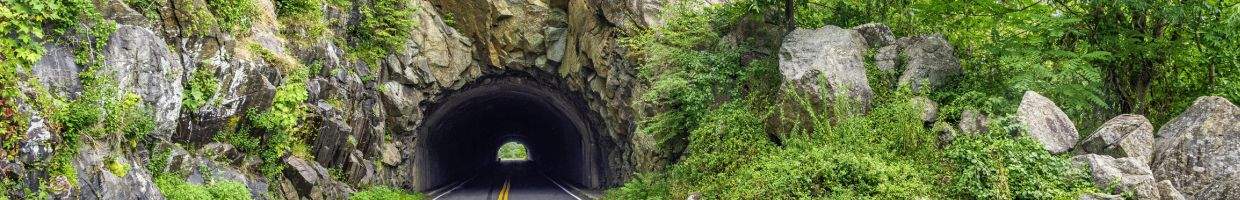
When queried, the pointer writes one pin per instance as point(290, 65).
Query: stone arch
point(463, 130)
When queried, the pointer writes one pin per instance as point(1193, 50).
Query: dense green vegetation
point(512, 151)
point(383, 28)
point(724, 137)
point(176, 188)
point(384, 193)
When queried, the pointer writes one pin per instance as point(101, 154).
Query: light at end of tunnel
point(513, 151)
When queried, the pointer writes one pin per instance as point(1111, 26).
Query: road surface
point(515, 180)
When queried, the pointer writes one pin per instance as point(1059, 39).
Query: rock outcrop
point(928, 61)
point(1122, 136)
point(1198, 150)
point(1046, 123)
point(140, 63)
point(829, 57)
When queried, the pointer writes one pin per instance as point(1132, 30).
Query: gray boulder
point(888, 58)
point(1166, 191)
point(830, 54)
point(929, 108)
point(1122, 175)
point(973, 122)
point(139, 61)
point(929, 61)
point(309, 180)
point(1122, 136)
point(1046, 123)
point(1199, 151)
point(876, 34)
point(96, 181)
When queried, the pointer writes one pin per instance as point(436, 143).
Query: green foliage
point(822, 173)
point(740, 143)
point(384, 27)
point(24, 26)
point(201, 87)
point(995, 166)
point(303, 20)
point(282, 122)
point(686, 72)
point(234, 15)
point(228, 190)
point(175, 188)
point(381, 192)
point(512, 151)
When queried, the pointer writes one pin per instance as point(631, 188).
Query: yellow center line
point(503, 191)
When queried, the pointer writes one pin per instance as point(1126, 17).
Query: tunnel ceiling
point(464, 131)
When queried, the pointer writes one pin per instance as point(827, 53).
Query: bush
point(385, 193)
point(201, 87)
point(384, 27)
point(175, 188)
point(228, 190)
point(995, 166)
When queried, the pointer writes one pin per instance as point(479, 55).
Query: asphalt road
point(513, 180)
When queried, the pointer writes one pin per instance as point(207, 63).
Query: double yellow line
point(503, 191)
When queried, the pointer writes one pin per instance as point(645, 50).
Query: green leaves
point(994, 166)
point(384, 27)
point(385, 193)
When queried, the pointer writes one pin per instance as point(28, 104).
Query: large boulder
point(309, 180)
point(139, 61)
point(1122, 136)
point(832, 54)
point(1046, 123)
point(928, 61)
point(1199, 151)
point(1122, 175)
point(96, 180)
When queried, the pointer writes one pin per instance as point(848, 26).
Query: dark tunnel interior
point(463, 133)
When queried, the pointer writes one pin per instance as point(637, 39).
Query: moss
point(117, 168)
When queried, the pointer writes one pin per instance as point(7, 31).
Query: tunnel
point(461, 135)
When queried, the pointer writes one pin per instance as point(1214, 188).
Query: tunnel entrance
point(464, 131)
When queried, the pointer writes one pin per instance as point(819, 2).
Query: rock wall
point(363, 118)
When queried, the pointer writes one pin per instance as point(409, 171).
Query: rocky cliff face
point(363, 117)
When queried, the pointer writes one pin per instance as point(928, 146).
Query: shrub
point(201, 87)
point(385, 193)
point(384, 27)
point(234, 15)
point(175, 188)
point(228, 190)
point(995, 166)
